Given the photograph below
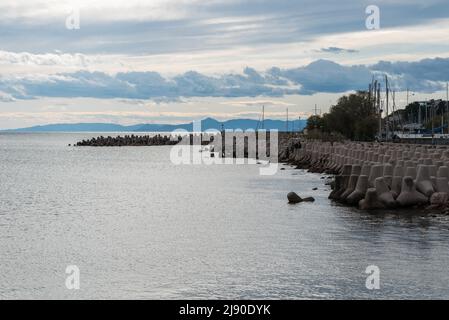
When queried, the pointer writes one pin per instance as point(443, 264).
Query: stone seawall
point(375, 175)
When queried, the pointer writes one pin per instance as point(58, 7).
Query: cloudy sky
point(130, 61)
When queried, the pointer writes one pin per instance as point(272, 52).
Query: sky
point(172, 61)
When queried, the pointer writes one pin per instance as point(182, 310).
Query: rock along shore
point(376, 175)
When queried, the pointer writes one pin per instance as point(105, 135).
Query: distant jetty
point(147, 140)
point(130, 140)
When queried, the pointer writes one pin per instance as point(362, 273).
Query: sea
point(129, 223)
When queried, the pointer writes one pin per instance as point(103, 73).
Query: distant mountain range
point(206, 124)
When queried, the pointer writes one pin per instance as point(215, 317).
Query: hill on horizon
point(206, 124)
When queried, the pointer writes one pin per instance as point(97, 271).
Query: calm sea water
point(138, 226)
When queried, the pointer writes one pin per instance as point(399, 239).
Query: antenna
point(447, 104)
point(442, 122)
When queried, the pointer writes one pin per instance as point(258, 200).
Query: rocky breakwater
point(377, 176)
point(130, 140)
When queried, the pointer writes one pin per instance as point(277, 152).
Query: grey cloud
point(337, 50)
point(427, 75)
point(211, 26)
point(427, 69)
point(328, 76)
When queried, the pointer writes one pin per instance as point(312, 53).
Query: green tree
point(314, 122)
point(353, 117)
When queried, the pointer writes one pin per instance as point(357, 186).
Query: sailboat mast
point(379, 108)
point(263, 117)
point(386, 98)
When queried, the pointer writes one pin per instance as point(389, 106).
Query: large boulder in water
point(293, 198)
point(308, 199)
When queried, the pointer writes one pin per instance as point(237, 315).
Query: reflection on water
point(139, 227)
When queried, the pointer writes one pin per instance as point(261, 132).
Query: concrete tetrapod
point(376, 172)
point(356, 169)
point(366, 169)
point(409, 196)
point(351, 187)
point(423, 182)
point(396, 184)
point(383, 193)
point(410, 172)
point(441, 185)
point(388, 170)
point(443, 172)
point(439, 199)
point(344, 186)
point(371, 201)
point(347, 168)
point(359, 191)
point(337, 186)
point(398, 171)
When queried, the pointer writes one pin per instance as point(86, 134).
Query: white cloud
point(6, 97)
point(47, 59)
point(43, 10)
point(251, 103)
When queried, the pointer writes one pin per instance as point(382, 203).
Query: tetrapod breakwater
point(376, 175)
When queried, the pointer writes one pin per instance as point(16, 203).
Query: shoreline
point(376, 176)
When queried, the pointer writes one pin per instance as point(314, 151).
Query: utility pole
point(427, 109)
point(419, 116)
point(411, 121)
point(263, 117)
point(287, 121)
point(394, 111)
point(431, 118)
point(442, 122)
